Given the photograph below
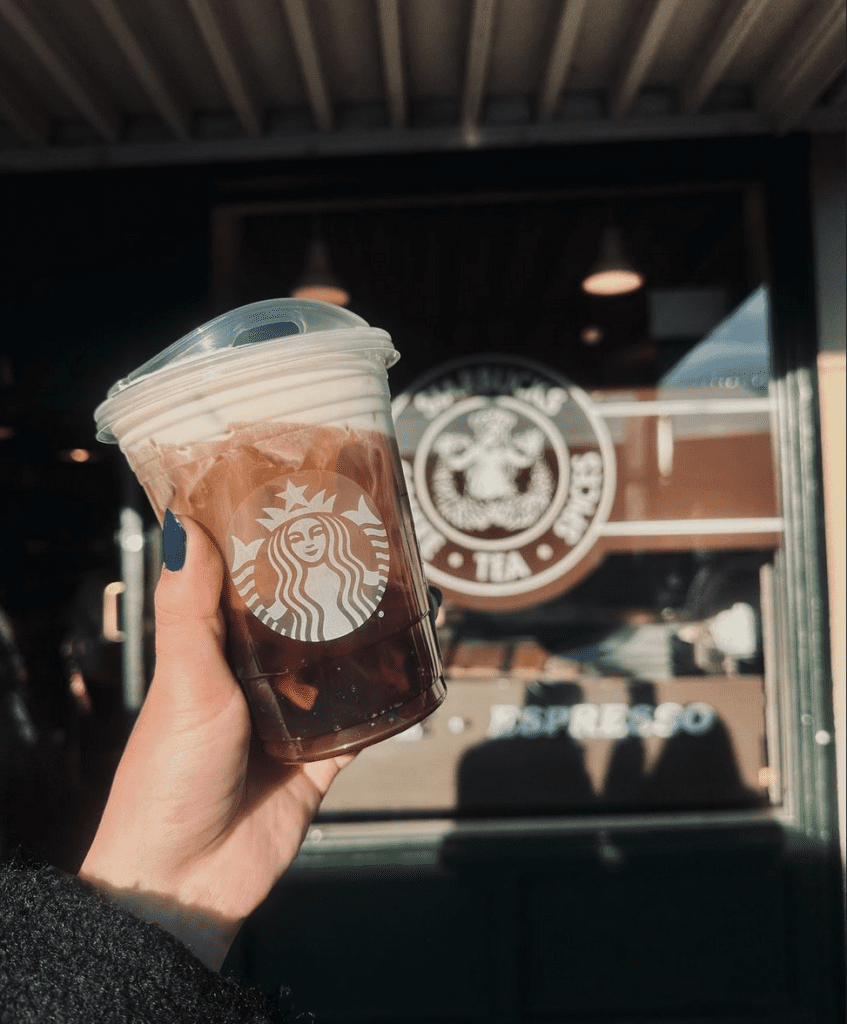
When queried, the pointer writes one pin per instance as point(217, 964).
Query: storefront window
point(594, 486)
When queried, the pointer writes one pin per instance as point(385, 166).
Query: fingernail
point(173, 542)
point(435, 599)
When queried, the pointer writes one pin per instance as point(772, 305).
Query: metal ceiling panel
point(436, 33)
point(604, 36)
point(391, 52)
point(693, 25)
point(523, 37)
point(764, 44)
point(347, 36)
point(636, 63)
point(169, 31)
point(560, 60)
point(49, 71)
point(78, 32)
point(276, 79)
point(122, 82)
point(144, 63)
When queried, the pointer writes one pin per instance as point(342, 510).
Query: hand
point(200, 822)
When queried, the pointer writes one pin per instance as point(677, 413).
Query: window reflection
point(639, 679)
point(641, 687)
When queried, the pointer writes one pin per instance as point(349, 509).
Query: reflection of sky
point(735, 357)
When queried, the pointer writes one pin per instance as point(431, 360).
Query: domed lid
point(248, 325)
point(246, 344)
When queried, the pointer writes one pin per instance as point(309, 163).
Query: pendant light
point(613, 274)
point(318, 280)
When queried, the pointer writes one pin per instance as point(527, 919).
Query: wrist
point(208, 936)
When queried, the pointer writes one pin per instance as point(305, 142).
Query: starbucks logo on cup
point(511, 476)
point(308, 555)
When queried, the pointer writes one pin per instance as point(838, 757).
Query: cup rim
point(167, 387)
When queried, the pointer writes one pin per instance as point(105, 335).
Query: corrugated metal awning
point(87, 83)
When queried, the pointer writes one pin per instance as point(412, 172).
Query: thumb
point(190, 630)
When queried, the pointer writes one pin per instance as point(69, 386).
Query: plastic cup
point(271, 426)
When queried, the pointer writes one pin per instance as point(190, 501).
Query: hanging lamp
point(318, 280)
point(613, 273)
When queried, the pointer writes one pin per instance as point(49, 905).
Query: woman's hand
point(200, 822)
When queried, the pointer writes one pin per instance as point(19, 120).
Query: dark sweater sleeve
point(67, 955)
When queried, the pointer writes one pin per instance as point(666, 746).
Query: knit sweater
point(68, 954)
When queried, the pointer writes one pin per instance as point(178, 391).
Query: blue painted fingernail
point(173, 542)
point(435, 599)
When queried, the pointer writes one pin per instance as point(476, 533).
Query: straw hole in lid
point(266, 332)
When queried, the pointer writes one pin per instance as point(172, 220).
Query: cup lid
point(209, 351)
point(248, 325)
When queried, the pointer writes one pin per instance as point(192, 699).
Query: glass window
point(594, 487)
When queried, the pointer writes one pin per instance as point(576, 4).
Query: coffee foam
point(198, 396)
point(336, 396)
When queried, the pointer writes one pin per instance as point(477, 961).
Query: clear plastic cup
point(271, 426)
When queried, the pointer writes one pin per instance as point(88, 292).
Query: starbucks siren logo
point(488, 464)
point(511, 475)
point(308, 555)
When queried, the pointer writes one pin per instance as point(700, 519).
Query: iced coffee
point(327, 611)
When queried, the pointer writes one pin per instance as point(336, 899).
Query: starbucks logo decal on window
point(308, 555)
point(494, 476)
point(511, 476)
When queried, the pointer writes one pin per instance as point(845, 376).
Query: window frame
point(775, 177)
